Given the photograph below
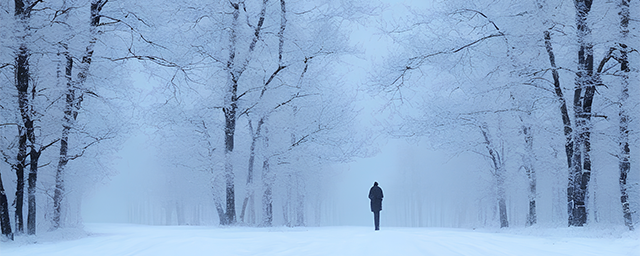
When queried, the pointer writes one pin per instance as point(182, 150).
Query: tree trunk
point(230, 126)
point(72, 104)
point(502, 205)
point(229, 131)
point(564, 112)
point(499, 175)
point(67, 123)
point(230, 214)
point(31, 191)
point(580, 173)
point(22, 75)
point(267, 197)
point(571, 140)
point(531, 175)
point(230, 108)
point(623, 141)
point(26, 139)
point(5, 221)
point(299, 205)
point(22, 85)
point(252, 157)
point(20, 166)
point(220, 211)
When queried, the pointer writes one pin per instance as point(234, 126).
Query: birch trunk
point(623, 140)
point(72, 104)
point(67, 123)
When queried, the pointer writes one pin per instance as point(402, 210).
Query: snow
point(130, 239)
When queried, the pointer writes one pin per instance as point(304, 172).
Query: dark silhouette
point(375, 195)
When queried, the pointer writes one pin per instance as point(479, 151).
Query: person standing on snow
point(375, 195)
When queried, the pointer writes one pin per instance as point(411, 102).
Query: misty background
point(347, 184)
point(278, 113)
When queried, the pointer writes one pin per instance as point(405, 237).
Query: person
point(375, 195)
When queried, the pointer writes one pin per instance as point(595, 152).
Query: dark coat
point(375, 195)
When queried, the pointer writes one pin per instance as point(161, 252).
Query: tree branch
point(48, 145)
point(273, 75)
point(158, 60)
point(84, 149)
point(482, 14)
point(416, 62)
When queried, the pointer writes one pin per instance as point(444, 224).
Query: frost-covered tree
point(269, 70)
point(623, 141)
point(73, 99)
point(485, 87)
point(54, 46)
point(486, 50)
point(29, 132)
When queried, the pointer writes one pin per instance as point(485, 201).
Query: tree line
point(504, 61)
point(255, 75)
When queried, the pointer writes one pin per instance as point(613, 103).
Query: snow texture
point(129, 239)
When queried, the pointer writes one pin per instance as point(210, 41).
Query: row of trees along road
point(59, 103)
point(248, 108)
point(254, 74)
point(504, 74)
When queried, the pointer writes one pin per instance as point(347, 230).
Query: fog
point(348, 183)
point(437, 174)
point(347, 192)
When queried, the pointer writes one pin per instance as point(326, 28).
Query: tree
point(623, 141)
point(22, 14)
point(277, 62)
point(73, 98)
point(235, 69)
point(499, 174)
point(585, 86)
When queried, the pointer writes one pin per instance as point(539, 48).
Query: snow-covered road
point(127, 239)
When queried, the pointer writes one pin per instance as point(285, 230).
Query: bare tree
point(235, 69)
point(585, 86)
point(623, 141)
point(73, 99)
point(22, 14)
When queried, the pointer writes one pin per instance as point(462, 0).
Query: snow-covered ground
point(128, 239)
